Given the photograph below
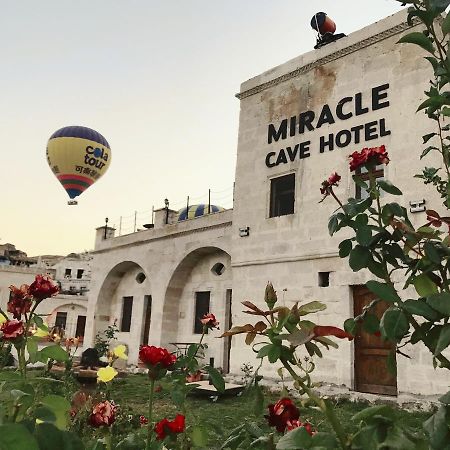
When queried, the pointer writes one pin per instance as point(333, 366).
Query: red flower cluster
point(157, 360)
point(292, 425)
point(373, 156)
point(327, 185)
point(209, 320)
point(331, 331)
point(169, 427)
point(143, 420)
point(12, 329)
point(42, 287)
point(283, 414)
point(103, 414)
point(20, 301)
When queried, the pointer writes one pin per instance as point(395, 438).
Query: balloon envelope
point(78, 156)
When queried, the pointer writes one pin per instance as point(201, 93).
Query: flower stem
point(329, 413)
point(108, 439)
point(150, 412)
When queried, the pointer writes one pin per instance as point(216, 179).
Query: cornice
point(331, 57)
point(162, 237)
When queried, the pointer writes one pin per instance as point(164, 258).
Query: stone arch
point(181, 280)
point(107, 307)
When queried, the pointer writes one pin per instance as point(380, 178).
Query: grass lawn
point(220, 417)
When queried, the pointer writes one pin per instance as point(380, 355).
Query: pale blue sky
point(157, 78)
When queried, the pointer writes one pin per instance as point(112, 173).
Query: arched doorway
point(201, 283)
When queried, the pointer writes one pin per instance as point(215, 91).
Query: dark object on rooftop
point(325, 28)
point(90, 359)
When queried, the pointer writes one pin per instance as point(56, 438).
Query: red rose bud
point(328, 184)
point(209, 320)
point(282, 412)
point(42, 287)
point(20, 301)
point(374, 155)
point(331, 331)
point(167, 427)
point(103, 414)
point(12, 329)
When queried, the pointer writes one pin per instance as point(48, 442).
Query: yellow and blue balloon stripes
point(197, 211)
point(78, 156)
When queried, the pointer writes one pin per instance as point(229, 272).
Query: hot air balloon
point(78, 156)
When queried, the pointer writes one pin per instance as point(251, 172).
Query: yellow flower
point(119, 352)
point(3, 319)
point(106, 374)
point(41, 332)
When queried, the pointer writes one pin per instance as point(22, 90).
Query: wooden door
point(371, 372)
point(227, 326)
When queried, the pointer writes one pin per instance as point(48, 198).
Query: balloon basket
point(72, 202)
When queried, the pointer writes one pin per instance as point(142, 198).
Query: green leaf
point(350, 326)
point(258, 406)
point(437, 429)
point(394, 324)
point(420, 308)
point(419, 39)
point(345, 247)
point(359, 258)
point(391, 363)
point(274, 354)
point(440, 302)
point(427, 137)
point(300, 337)
point(55, 352)
point(60, 407)
point(333, 224)
point(424, 286)
point(445, 399)
point(364, 236)
point(443, 341)
point(264, 351)
point(388, 187)
point(368, 413)
point(384, 291)
point(49, 437)
point(432, 253)
point(298, 438)
point(216, 378)
point(371, 323)
point(14, 436)
point(199, 436)
point(311, 307)
point(428, 150)
point(132, 442)
point(439, 5)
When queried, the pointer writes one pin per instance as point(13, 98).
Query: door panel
point(371, 352)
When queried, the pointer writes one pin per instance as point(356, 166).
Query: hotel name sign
point(346, 108)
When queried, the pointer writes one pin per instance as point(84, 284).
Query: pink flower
point(209, 320)
point(103, 414)
point(43, 287)
point(20, 301)
point(373, 156)
point(143, 420)
point(291, 425)
point(167, 427)
point(12, 329)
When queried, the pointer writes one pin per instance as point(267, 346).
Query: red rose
point(209, 320)
point(157, 360)
point(281, 413)
point(42, 287)
point(20, 301)
point(291, 425)
point(12, 329)
point(167, 427)
point(331, 331)
point(103, 414)
point(373, 156)
point(327, 185)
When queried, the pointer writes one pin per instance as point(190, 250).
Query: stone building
point(298, 123)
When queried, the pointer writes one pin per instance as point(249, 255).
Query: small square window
point(68, 273)
point(324, 279)
point(282, 195)
point(80, 273)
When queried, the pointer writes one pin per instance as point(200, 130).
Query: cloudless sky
point(157, 78)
